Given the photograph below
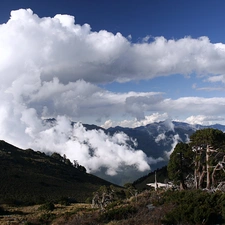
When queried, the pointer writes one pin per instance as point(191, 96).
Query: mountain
point(31, 177)
point(156, 140)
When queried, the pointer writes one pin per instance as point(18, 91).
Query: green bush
point(47, 207)
point(64, 201)
point(28, 223)
point(2, 211)
point(118, 213)
point(194, 207)
point(114, 204)
point(46, 218)
point(88, 200)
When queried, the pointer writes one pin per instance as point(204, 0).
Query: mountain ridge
point(29, 177)
point(156, 140)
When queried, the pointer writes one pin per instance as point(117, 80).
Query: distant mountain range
point(32, 176)
point(156, 140)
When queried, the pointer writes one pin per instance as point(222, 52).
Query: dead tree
point(202, 166)
point(199, 171)
point(219, 166)
point(209, 150)
point(96, 201)
point(101, 201)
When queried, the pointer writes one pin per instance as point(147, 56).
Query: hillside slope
point(33, 177)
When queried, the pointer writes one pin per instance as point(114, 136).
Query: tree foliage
point(180, 164)
point(208, 136)
point(200, 159)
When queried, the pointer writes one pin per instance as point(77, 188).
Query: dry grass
point(83, 214)
point(32, 214)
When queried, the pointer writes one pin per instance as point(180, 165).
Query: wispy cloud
point(209, 88)
point(204, 120)
point(154, 117)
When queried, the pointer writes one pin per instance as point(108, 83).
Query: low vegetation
point(149, 207)
point(194, 207)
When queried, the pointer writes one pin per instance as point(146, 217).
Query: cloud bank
point(60, 48)
point(52, 67)
point(93, 148)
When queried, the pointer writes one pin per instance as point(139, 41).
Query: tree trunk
point(208, 181)
point(182, 185)
point(201, 177)
point(197, 170)
point(196, 175)
point(213, 175)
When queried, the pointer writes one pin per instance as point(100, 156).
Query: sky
point(109, 63)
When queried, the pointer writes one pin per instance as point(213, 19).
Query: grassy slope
point(33, 177)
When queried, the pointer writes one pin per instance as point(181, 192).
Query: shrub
point(193, 207)
point(118, 213)
point(47, 206)
point(88, 200)
point(46, 218)
point(2, 211)
point(64, 201)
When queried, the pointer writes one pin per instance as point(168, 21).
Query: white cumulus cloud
point(52, 67)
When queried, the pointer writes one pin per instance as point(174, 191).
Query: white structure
point(157, 185)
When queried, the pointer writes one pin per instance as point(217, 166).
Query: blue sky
point(139, 24)
point(171, 19)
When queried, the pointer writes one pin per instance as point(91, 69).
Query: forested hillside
point(29, 177)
